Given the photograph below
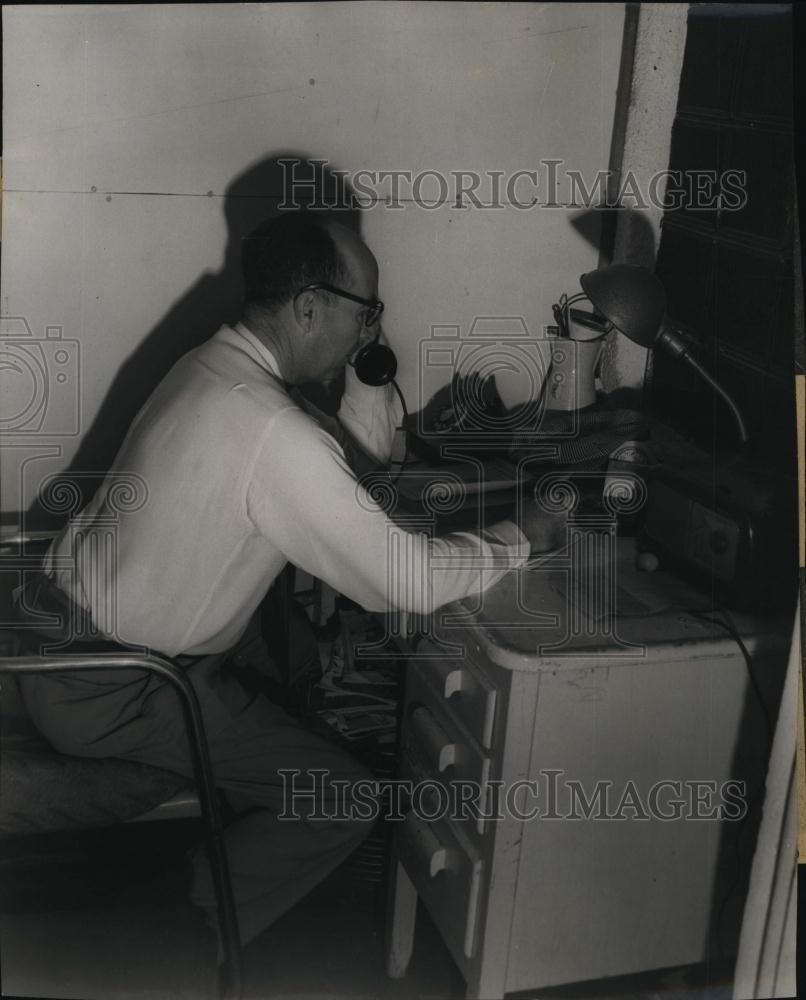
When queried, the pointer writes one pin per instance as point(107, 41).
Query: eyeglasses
point(374, 307)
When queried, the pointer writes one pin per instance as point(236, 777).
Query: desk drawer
point(448, 880)
point(466, 694)
point(430, 756)
point(441, 746)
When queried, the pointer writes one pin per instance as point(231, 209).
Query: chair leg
point(231, 978)
point(230, 983)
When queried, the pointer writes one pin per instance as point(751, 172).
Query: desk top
point(551, 614)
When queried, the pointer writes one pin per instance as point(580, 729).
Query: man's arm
point(359, 460)
point(303, 497)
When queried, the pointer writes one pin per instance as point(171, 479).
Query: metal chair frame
point(231, 982)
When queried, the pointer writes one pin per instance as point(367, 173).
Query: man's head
point(313, 330)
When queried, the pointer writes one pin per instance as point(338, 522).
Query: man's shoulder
point(220, 370)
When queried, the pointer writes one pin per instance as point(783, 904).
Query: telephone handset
point(375, 364)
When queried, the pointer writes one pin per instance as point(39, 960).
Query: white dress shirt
point(235, 480)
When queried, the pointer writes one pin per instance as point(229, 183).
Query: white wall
point(124, 127)
point(658, 62)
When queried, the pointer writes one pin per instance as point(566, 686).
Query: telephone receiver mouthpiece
point(375, 364)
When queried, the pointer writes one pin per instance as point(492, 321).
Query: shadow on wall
point(257, 194)
point(600, 226)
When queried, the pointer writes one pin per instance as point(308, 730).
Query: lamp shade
point(631, 298)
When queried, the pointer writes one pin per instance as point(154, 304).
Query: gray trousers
point(274, 861)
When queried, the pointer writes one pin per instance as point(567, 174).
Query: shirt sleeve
point(371, 414)
point(303, 497)
point(359, 460)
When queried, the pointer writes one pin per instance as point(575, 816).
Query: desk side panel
point(597, 898)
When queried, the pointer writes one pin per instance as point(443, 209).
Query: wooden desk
point(529, 903)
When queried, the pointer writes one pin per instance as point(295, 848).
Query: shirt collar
point(259, 351)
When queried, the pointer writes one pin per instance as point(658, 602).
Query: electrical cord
point(560, 311)
point(405, 433)
point(729, 625)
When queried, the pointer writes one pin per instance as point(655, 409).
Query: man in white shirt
point(238, 480)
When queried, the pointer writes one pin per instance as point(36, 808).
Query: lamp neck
point(669, 340)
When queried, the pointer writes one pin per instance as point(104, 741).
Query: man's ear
point(305, 308)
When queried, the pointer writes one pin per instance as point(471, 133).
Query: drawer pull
point(454, 682)
point(431, 852)
point(434, 739)
point(476, 702)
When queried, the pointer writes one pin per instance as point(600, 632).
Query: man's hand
point(545, 531)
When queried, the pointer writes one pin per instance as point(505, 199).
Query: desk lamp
point(632, 299)
point(720, 522)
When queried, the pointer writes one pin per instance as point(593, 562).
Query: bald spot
point(356, 258)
